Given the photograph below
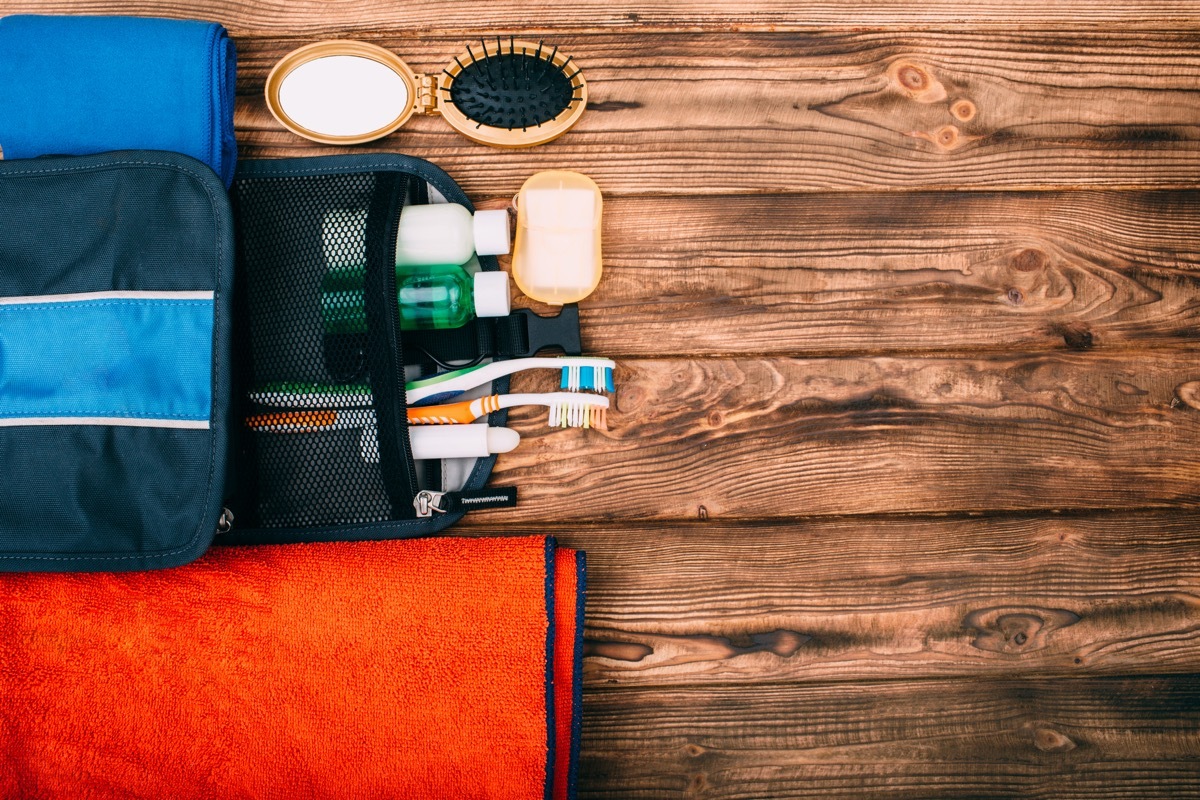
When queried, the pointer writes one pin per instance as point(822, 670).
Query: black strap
point(385, 356)
point(519, 335)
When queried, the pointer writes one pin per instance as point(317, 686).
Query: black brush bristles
point(513, 89)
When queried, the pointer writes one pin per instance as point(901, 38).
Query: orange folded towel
point(423, 668)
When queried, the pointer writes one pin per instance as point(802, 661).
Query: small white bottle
point(446, 233)
point(434, 235)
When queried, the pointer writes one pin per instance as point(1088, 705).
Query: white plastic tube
point(460, 441)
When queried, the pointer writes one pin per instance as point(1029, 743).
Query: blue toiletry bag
point(148, 399)
point(116, 277)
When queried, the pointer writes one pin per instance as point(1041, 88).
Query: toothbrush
point(323, 420)
point(312, 420)
point(567, 409)
point(578, 374)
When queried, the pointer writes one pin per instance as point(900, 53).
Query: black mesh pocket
point(319, 379)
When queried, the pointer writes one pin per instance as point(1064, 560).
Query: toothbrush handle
point(452, 413)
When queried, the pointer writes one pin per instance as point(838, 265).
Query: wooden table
point(900, 496)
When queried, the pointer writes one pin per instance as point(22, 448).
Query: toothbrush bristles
point(578, 415)
point(587, 378)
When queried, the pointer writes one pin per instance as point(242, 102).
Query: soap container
point(556, 255)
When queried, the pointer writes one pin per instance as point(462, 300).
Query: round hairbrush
point(512, 94)
point(507, 93)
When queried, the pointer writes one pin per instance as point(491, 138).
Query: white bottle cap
point(491, 232)
point(491, 294)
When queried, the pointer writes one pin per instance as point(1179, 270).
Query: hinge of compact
point(427, 99)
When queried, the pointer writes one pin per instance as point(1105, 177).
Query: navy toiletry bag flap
point(116, 273)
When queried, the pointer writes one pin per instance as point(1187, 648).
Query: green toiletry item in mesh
point(429, 297)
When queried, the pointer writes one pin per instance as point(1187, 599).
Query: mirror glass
point(343, 95)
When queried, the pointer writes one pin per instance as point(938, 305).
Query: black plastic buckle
point(560, 331)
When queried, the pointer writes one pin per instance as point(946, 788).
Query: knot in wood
point(946, 136)
point(1030, 260)
point(1076, 335)
point(1189, 394)
point(912, 77)
point(916, 81)
point(963, 110)
point(1016, 631)
point(1051, 741)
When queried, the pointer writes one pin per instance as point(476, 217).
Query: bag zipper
point(428, 503)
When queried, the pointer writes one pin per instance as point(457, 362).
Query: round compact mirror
point(503, 93)
point(341, 92)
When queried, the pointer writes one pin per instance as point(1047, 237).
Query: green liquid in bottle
point(429, 298)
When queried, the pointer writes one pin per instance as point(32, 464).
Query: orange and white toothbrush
point(567, 409)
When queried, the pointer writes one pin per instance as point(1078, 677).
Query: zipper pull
point(428, 503)
point(225, 521)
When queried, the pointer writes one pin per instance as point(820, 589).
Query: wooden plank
point(831, 274)
point(1113, 738)
point(424, 17)
point(780, 437)
point(703, 114)
point(855, 599)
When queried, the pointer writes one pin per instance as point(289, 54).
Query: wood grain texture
point(846, 307)
point(855, 599)
point(1112, 738)
point(830, 274)
point(768, 438)
point(424, 17)
point(702, 114)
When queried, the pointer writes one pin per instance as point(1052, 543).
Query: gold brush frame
point(427, 95)
point(503, 137)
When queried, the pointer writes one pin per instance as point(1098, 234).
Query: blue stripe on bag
point(115, 358)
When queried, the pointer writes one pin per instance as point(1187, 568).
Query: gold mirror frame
point(338, 47)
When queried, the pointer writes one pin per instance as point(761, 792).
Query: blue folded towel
point(82, 85)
